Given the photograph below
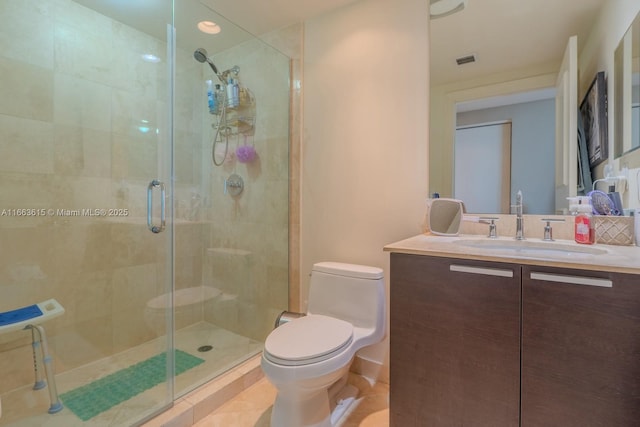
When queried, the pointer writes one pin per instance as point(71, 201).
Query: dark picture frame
point(585, 181)
point(593, 111)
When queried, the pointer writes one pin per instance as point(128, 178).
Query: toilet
point(307, 359)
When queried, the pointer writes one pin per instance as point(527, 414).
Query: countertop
point(621, 259)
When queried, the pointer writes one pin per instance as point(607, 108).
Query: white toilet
point(305, 357)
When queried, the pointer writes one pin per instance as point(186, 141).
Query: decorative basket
point(614, 230)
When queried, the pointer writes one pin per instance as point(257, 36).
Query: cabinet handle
point(572, 280)
point(481, 270)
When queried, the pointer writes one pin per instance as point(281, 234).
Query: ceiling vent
point(467, 59)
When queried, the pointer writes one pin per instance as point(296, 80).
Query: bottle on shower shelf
point(220, 98)
point(211, 98)
point(233, 93)
point(236, 92)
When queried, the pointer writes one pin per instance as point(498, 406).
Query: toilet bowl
point(307, 359)
point(187, 305)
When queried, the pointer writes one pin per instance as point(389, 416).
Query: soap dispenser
point(585, 232)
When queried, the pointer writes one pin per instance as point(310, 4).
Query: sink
point(534, 248)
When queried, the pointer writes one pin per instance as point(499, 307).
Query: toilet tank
point(354, 293)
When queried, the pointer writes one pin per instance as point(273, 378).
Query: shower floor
point(25, 407)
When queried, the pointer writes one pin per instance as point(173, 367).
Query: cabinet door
point(455, 342)
point(580, 348)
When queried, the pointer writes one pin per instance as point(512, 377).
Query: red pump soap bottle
point(585, 231)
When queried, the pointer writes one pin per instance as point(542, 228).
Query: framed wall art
point(593, 111)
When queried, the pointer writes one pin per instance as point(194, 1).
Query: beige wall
point(365, 137)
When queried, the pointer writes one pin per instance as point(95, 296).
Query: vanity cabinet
point(580, 348)
point(479, 343)
point(455, 342)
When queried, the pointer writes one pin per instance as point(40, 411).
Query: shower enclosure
point(170, 268)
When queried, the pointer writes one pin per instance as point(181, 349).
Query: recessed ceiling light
point(209, 27)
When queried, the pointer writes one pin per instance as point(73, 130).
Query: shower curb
point(191, 408)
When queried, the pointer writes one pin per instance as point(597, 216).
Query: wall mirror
point(509, 49)
point(627, 91)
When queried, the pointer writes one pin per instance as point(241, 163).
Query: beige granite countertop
point(621, 259)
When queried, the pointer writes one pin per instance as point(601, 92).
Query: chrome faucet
point(519, 219)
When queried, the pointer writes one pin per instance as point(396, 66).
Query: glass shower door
point(85, 150)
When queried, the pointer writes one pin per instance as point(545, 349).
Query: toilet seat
point(308, 340)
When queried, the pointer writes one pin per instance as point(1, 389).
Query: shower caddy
point(234, 107)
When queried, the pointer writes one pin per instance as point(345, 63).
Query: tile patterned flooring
point(252, 407)
point(25, 407)
point(249, 408)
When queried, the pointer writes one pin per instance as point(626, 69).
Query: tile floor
point(252, 407)
point(25, 407)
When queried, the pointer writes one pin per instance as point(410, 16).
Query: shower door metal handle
point(155, 228)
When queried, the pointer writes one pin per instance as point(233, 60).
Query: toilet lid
point(306, 340)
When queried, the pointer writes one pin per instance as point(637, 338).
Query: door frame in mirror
point(623, 89)
point(443, 112)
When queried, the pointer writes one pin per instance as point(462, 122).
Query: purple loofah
point(245, 153)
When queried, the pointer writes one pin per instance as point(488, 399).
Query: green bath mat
point(92, 399)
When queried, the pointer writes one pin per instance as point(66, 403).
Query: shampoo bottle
point(220, 98)
point(236, 93)
point(231, 101)
point(585, 232)
point(211, 97)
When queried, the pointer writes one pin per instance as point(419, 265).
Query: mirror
point(445, 216)
point(627, 91)
point(518, 49)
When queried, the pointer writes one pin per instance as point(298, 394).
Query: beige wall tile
point(82, 103)
point(26, 90)
point(18, 40)
point(82, 151)
point(27, 145)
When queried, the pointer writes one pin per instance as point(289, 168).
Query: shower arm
point(202, 56)
point(223, 76)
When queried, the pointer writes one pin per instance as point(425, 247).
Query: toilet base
point(342, 402)
point(320, 408)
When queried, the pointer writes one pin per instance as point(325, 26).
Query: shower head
point(201, 56)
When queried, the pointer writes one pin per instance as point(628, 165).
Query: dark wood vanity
point(499, 344)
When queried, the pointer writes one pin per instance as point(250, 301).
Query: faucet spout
point(519, 219)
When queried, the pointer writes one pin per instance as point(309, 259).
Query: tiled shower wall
point(248, 254)
point(73, 97)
